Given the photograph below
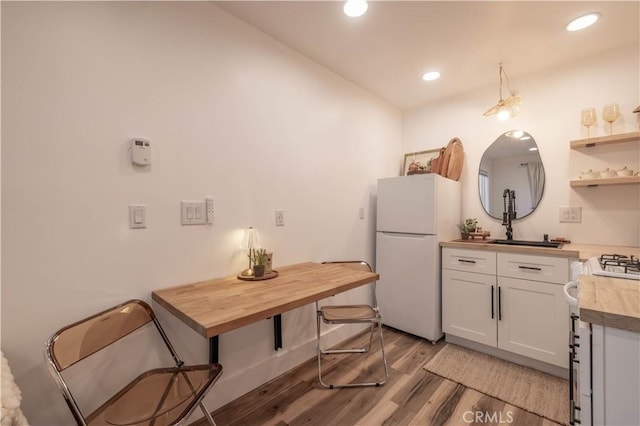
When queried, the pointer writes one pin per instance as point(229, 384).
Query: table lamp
point(250, 242)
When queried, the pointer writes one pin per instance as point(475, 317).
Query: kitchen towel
point(531, 390)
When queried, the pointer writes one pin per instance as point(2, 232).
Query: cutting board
point(455, 159)
point(445, 158)
point(436, 164)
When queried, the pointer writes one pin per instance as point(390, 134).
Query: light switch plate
point(137, 216)
point(193, 213)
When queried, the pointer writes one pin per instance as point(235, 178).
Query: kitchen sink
point(529, 243)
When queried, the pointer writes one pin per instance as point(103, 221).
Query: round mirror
point(511, 163)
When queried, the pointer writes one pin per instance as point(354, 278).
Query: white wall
point(550, 112)
point(230, 113)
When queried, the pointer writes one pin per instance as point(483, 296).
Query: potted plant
point(259, 262)
point(467, 226)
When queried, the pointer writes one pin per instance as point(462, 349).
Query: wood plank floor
point(412, 396)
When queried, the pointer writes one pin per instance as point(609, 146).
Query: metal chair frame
point(374, 319)
point(57, 364)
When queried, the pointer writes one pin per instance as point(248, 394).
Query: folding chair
point(351, 314)
point(161, 396)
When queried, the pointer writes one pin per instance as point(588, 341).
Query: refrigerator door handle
point(402, 234)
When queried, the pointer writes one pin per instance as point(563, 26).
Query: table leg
point(213, 350)
point(277, 331)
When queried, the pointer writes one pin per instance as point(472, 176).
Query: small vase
point(258, 270)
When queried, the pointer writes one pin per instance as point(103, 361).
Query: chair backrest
point(80, 340)
point(156, 396)
point(86, 337)
point(358, 265)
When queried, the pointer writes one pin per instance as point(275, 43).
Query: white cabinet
point(615, 362)
point(532, 306)
point(468, 306)
point(468, 294)
point(476, 261)
point(510, 301)
point(533, 320)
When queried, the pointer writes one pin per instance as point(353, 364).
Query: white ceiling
point(387, 50)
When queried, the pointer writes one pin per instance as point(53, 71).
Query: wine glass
point(588, 118)
point(610, 113)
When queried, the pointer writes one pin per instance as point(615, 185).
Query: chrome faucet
point(509, 213)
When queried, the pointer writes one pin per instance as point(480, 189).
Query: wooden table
point(217, 306)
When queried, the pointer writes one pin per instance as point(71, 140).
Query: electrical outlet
point(571, 214)
point(279, 217)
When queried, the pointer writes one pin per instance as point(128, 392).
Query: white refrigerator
point(414, 213)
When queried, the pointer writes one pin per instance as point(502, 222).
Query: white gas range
point(614, 265)
point(592, 402)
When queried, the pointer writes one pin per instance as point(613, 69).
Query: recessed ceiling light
point(355, 8)
point(431, 75)
point(583, 22)
point(533, 148)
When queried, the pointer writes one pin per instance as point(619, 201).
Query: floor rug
point(531, 390)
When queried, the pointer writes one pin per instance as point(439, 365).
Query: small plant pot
point(258, 270)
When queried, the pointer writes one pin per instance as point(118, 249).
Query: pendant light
point(508, 107)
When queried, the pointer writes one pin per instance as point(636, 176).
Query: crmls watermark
point(486, 417)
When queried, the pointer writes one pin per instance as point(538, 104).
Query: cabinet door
point(533, 320)
point(468, 306)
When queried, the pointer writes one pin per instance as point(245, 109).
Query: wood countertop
point(216, 306)
point(570, 250)
point(610, 302)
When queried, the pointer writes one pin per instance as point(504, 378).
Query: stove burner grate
point(619, 263)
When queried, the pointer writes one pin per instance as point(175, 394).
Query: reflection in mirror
point(512, 162)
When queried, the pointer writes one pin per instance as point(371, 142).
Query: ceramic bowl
point(608, 173)
point(590, 174)
point(624, 172)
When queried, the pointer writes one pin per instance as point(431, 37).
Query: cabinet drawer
point(537, 268)
point(479, 261)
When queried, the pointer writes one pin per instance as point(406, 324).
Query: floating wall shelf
point(605, 140)
point(600, 141)
point(606, 181)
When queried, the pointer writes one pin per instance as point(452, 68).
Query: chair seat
point(157, 397)
point(347, 313)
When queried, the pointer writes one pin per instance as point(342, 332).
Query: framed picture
point(422, 159)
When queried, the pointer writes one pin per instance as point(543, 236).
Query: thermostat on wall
point(140, 152)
